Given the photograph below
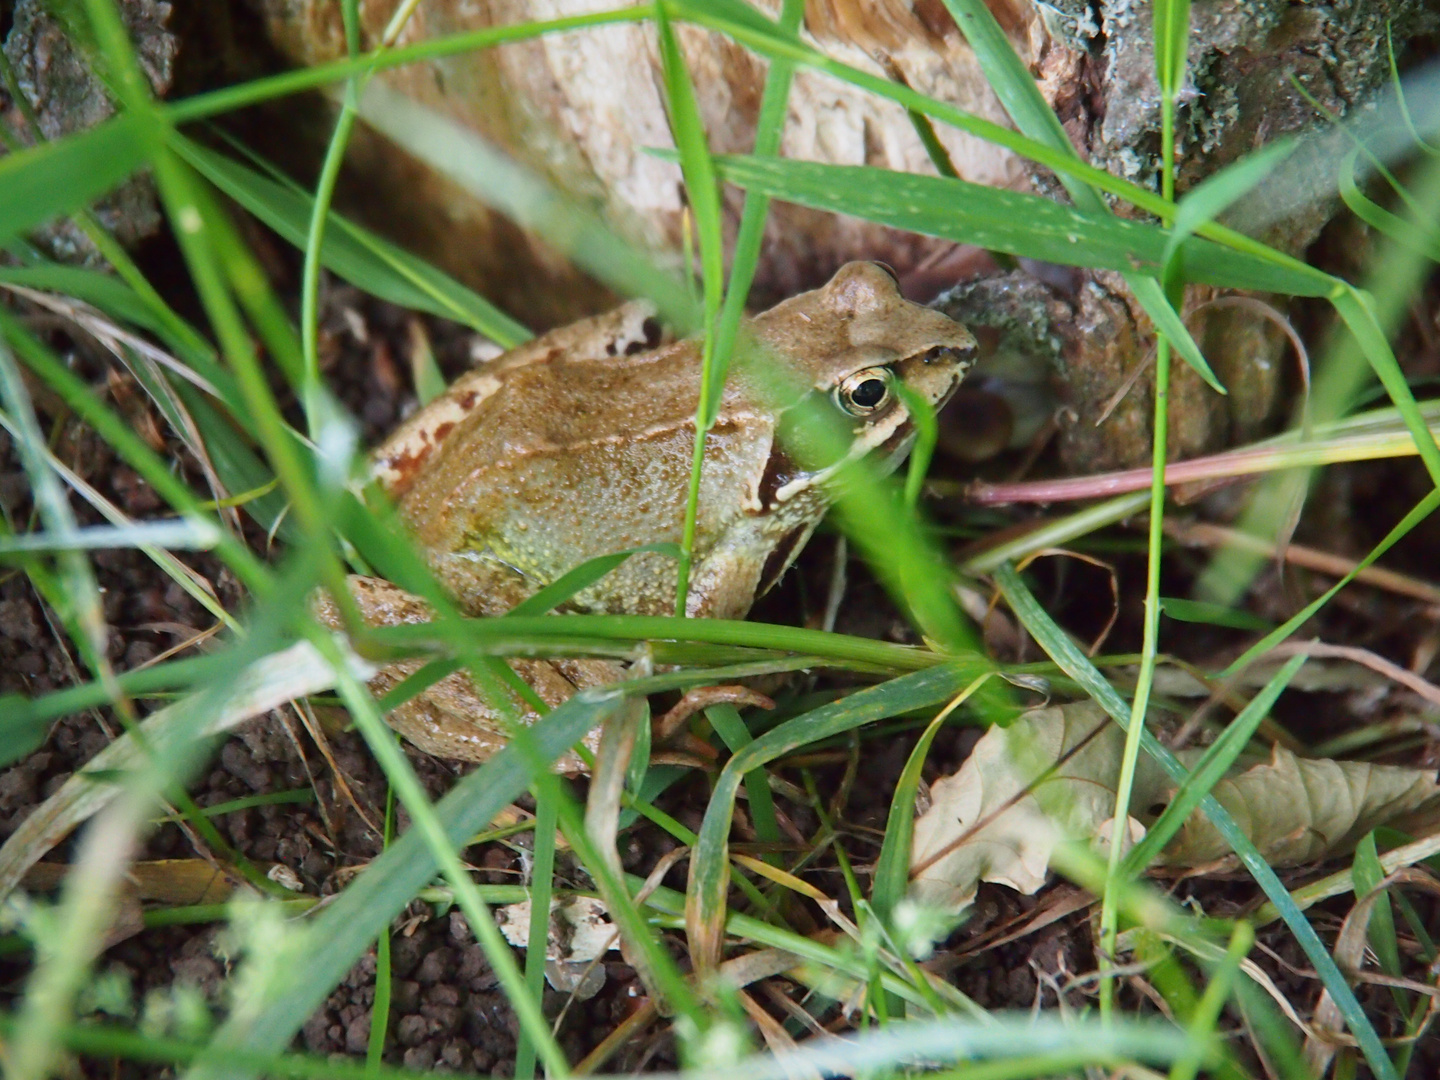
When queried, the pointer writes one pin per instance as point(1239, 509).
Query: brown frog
point(579, 444)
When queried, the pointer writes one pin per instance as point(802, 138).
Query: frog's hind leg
point(451, 718)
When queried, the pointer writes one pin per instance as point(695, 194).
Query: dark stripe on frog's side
point(778, 560)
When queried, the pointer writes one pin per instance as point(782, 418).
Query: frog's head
point(867, 351)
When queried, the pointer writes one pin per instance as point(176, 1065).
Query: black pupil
point(869, 393)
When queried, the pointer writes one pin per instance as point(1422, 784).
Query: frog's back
point(554, 454)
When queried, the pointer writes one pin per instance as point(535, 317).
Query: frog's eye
point(866, 391)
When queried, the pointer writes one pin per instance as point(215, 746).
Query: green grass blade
point(725, 719)
point(702, 191)
point(313, 246)
point(1203, 1025)
point(1168, 322)
point(19, 734)
point(1197, 611)
point(1418, 513)
point(542, 887)
point(702, 194)
point(1368, 874)
point(892, 869)
point(359, 256)
point(709, 862)
point(1170, 36)
point(57, 178)
point(1209, 770)
point(1022, 99)
point(768, 130)
point(339, 936)
point(582, 577)
point(102, 290)
point(1361, 319)
point(1014, 222)
point(217, 102)
point(1015, 86)
point(526, 199)
point(1340, 376)
point(1078, 666)
point(1211, 197)
point(1425, 239)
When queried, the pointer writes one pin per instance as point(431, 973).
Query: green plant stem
point(310, 388)
point(380, 1010)
point(1171, 64)
point(542, 881)
point(1207, 1013)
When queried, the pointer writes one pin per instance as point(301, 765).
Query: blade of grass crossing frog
point(359, 256)
point(1079, 667)
point(774, 107)
point(54, 179)
point(702, 189)
point(582, 577)
point(1209, 770)
point(703, 197)
point(709, 863)
point(927, 434)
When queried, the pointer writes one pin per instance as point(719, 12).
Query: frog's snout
point(955, 354)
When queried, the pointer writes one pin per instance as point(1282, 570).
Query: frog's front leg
point(451, 718)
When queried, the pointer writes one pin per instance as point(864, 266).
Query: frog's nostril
point(949, 353)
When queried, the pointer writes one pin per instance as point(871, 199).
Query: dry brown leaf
point(1051, 777)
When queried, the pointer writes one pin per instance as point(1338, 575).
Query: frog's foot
point(666, 725)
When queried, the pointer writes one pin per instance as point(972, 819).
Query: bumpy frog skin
point(579, 444)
